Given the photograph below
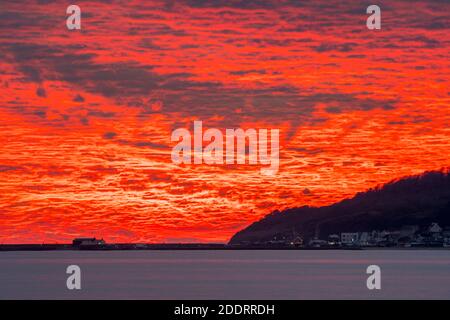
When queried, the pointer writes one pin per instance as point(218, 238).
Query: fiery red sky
point(86, 115)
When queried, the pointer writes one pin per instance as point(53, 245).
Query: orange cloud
point(86, 116)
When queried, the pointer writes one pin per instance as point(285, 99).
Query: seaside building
point(408, 231)
point(77, 242)
point(434, 228)
point(349, 238)
point(334, 240)
point(297, 241)
point(317, 243)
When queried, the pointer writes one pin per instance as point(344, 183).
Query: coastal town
point(431, 236)
point(411, 236)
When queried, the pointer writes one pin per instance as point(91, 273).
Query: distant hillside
point(416, 200)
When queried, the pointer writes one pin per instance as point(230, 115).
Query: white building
point(349, 237)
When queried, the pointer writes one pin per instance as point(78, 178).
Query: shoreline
point(192, 247)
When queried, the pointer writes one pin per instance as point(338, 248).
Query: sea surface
point(330, 274)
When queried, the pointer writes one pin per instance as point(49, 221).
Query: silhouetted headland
point(410, 212)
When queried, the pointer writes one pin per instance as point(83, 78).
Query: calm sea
point(405, 274)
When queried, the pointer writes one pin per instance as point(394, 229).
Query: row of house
point(407, 236)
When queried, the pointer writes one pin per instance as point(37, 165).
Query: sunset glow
point(86, 115)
